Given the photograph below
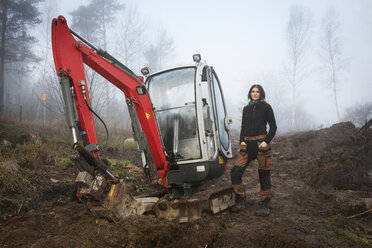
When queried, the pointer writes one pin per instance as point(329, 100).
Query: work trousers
point(247, 154)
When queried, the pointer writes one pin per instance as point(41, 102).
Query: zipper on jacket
point(254, 111)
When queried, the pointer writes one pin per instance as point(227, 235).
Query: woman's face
point(255, 94)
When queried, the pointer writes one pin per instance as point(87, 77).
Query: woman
point(255, 144)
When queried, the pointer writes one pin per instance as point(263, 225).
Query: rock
point(111, 150)
point(276, 154)
point(5, 142)
point(31, 212)
point(130, 140)
point(368, 178)
point(146, 204)
point(54, 180)
point(102, 222)
point(30, 138)
point(368, 202)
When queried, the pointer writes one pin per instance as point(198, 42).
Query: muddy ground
point(320, 179)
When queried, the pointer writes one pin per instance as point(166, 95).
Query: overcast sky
point(245, 41)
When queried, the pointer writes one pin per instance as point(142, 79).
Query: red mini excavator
point(179, 121)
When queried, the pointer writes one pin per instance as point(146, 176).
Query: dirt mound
point(334, 155)
point(51, 182)
point(311, 145)
point(347, 165)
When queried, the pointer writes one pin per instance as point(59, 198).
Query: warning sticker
point(220, 159)
point(112, 190)
point(147, 116)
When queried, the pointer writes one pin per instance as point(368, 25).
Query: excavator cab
point(192, 122)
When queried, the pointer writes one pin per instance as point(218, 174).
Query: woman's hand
point(243, 147)
point(263, 145)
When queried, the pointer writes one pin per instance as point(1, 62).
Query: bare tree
point(129, 48)
point(297, 34)
point(131, 41)
point(47, 81)
point(91, 21)
point(106, 11)
point(52, 88)
point(160, 51)
point(331, 52)
point(49, 9)
point(359, 114)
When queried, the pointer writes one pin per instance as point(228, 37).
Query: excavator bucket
point(119, 204)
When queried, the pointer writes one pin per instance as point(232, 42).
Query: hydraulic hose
point(104, 124)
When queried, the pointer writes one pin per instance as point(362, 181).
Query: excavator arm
point(69, 56)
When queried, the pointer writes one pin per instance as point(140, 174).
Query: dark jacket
point(256, 115)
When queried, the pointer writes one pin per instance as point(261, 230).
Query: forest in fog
point(316, 77)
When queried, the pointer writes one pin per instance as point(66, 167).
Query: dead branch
point(362, 129)
point(356, 215)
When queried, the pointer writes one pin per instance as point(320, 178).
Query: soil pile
point(340, 156)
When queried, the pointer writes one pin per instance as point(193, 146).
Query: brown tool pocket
point(242, 159)
point(264, 160)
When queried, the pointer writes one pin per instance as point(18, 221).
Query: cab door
point(220, 114)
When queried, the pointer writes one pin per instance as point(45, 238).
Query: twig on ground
point(356, 215)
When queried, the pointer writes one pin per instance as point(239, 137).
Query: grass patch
point(12, 181)
point(30, 155)
point(62, 162)
point(352, 230)
point(69, 181)
point(51, 149)
point(15, 190)
point(54, 130)
point(130, 145)
point(12, 132)
point(132, 175)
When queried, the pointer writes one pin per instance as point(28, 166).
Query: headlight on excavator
point(141, 89)
point(145, 71)
point(196, 58)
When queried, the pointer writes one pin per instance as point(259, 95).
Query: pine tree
point(16, 17)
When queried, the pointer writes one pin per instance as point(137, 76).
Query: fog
point(246, 43)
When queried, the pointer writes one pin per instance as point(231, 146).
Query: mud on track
point(319, 179)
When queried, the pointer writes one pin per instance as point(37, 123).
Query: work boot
point(264, 209)
point(239, 204)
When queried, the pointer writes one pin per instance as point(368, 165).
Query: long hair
point(262, 92)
